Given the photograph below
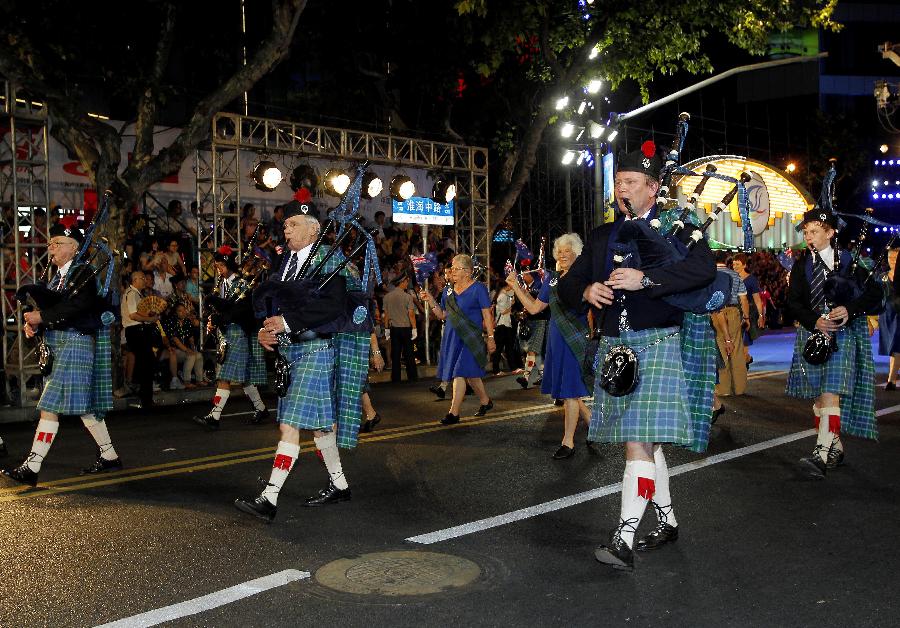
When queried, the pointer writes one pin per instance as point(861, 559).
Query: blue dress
point(455, 359)
point(888, 328)
point(562, 370)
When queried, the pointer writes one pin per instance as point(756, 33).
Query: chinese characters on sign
point(423, 211)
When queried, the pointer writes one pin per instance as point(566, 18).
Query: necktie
point(817, 286)
point(291, 267)
point(58, 282)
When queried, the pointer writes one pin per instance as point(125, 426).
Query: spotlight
point(594, 53)
point(568, 157)
point(582, 107)
point(612, 135)
point(567, 129)
point(266, 176)
point(561, 103)
point(336, 181)
point(371, 185)
point(791, 167)
point(443, 191)
point(304, 177)
point(596, 129)
point(402, 188)
point(883, 148)
point(594, 86)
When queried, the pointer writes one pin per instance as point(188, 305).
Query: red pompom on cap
point(302, 195)
point(68, 221)
point(225, 250)
point(648, 148)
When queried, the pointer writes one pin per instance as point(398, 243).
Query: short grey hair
point(464, 260)
point(572, 240)
point(311, 220)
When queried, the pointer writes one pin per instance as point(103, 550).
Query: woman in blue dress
point(562, 365)
point(466, 308)
point(889, 321)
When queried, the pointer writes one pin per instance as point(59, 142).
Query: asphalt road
point(759, 546)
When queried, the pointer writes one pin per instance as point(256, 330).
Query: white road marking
point(578, 498)
point(208, 602)
point(887, 410)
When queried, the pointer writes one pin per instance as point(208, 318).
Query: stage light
point(874, 184)
point(596, 130)
point(561, 103)
point(567, 129)
point(791, 167)
point(568, 157)
point(304, 177)
point(582, 107)
point(594, 53)
point(883, 148)
point(402, 187)
point(612, 135)
point(372, 185)
point(266, 176)
point(580, 158)
point(594, 86)
point(336, 181)
point(443, 191)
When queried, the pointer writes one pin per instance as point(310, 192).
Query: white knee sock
point(327, 444)
point(1, 440)
point(251, 392)
point(43, 438)
point(662, 498)
point(285, 456)
point(829, 430)
point(219, 402)
point(100, 433)
point(638, 486)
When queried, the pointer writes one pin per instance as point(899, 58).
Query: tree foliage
point(543, 47)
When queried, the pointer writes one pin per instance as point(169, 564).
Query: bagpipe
point(647, 245)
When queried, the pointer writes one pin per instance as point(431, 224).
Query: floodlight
point(372, 185)
point(594, 86)
point(561, 103)
point(568, 157)
point(304, 177)
point(402, 187)
point(336, 181)
point(266, 176)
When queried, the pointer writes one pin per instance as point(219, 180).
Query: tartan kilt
point(850, 373)
point(308, 404)
point(351, 351)
point(101, 386)
point(244, 361)
point(658, 410)
point(68, 388)
point(698, 355)
point(535, 342)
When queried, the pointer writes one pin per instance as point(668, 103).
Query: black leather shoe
point(564, 452)
point(208, 421)
point(559, 403)
point(3, 450)
point(616, 553)
point(664, 533)
point(835, 458)
point(716, 414)
point(101, 465)
point(330, 495)
point(21, 474)
point(450, 419)
point(523, 382)
point(483, 409)
point(812, 468)
point(890, 386)
point(261, 508)
point(437, 390)
point(258, 417)
point(369, 424)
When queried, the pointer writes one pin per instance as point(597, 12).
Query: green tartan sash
point(574, 331)
point(469, 332)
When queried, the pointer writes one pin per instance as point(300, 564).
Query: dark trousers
point(401, 343)
point(140, 343)
point(505, 339)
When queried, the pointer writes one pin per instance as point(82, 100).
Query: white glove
point(387, 334)
point(415, 332)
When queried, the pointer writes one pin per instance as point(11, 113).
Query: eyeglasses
point(56, 243)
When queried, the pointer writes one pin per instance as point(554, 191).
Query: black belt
point(307, 335)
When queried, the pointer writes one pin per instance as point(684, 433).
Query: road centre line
point(211, 601)
point(579, 498)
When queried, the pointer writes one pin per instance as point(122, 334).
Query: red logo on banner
point(74, 168)
point(283, 462)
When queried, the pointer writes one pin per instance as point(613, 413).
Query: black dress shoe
point(209, 422)
point(890, 386)
point(330, 495)
point(258, 417)
point(559, 403)
point(564, 452)
point(450, 419)
point(813, 468)
point(21, 474)
point(101, 465)
point(261, 508)
point(437, 390)
point(716, 414)
point(664, 533)
point(369, 424)
point(483, 409)
point(522, 381)
point(835, 458)
point(3, 450)
point(616, 553)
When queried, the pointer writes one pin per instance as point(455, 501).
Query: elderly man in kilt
point(309, 402)
point(844, 386)
point(244, 362)
point(80, 381)
point(669, 404)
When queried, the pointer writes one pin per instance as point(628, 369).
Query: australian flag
point(424, 266)
point(522, 250)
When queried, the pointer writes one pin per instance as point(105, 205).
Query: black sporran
point(524, 330)
point(818, 348)
point(619, 371)
point(282, 375)
point(45, 358)
point(221, 349)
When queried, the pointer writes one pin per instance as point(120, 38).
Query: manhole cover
point(398, 573)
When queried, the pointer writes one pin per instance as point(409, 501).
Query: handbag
point(619, 371)
point(818, 348)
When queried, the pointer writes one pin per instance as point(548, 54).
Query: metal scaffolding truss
point(24, 197)
point(219, 176)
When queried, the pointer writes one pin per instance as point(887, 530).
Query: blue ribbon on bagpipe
point(345, 216)
point(742, 196)
point(101, 217)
